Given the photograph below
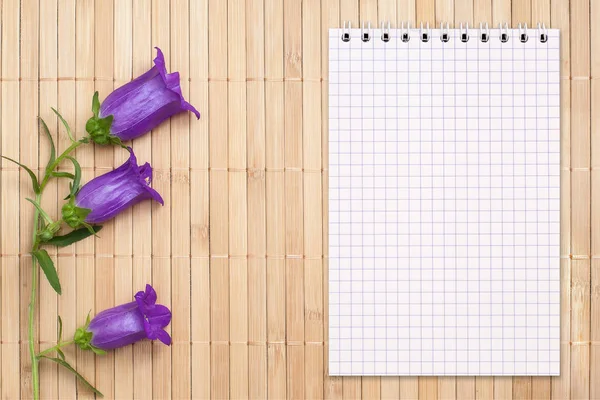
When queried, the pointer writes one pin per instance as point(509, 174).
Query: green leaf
point(59, 333)
point(57, 174)
point(48, 267)
point(61, 355)
point(66, 125)
point(34, 181)
point(76, 176)
point(42, 212)
point(73, 236)
point(95, 104)
point(52, 148)
point(65, 364)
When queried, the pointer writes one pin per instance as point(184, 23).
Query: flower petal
point(158, 316)
point(109, 194)
point(172, 81)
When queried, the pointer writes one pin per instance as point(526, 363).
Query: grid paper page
point(444, 175)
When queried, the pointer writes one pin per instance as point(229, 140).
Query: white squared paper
point(444, 205)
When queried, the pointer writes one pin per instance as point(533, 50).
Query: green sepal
point(95, 104)
point(73, 236)
point(99, 130)
point(52, 148)
point(68, 366)
point(83, 338)
point(97, 350)
point(48, 232)
point(34, 180)
point(48, 267)
point(74, 216)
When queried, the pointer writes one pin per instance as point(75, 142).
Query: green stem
point(34, 359)
point(56, 162)
point(54, 348)
point(34, 271)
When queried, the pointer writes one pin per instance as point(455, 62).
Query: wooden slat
point(293, 187)
point(123, 264)
point(256, 208)
point(559, 13)
point(330, 18)
point(84, 89)
point(104, 160)
point(48, 67)
point(312, 185)
point(161, 216)
point(594, 359)
point(275, 203)
point(238, 211)
point(66, 262)
point(580, 198)
point(13, 268)
point(180, 207)
point(142, 54)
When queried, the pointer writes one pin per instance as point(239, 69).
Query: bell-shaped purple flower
point(126, 324)
point(138, 106)
point(107, 195)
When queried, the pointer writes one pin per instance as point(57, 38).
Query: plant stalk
point(54, 348)
point(34, 360)
point(34, 272)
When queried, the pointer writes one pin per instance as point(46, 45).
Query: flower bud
point(49, 231)
point(126, 324)
point(139, 106)
point(107, 195)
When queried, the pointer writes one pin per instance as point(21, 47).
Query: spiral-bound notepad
point(444, 164)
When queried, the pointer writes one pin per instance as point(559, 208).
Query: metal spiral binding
point(485, 34)
point(445, 36)
point(523, 36)
point(543, 34)
point(346, 31)
point(464, 36)
point(405, 35)
point(503, 32)
point(365, 34)
point(385, 31)
point(425, 32)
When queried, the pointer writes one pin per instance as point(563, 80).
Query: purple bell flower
point(107, 195)
point(138, 106)
point(126, 324)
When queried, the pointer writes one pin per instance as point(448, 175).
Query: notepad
point(444, 202)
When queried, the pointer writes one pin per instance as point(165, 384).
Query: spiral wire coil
point(465, 32)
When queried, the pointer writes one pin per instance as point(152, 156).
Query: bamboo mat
point(239, 251)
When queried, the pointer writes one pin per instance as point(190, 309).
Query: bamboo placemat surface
point(239, 251)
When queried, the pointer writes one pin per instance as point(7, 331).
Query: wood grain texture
point(239, 251)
